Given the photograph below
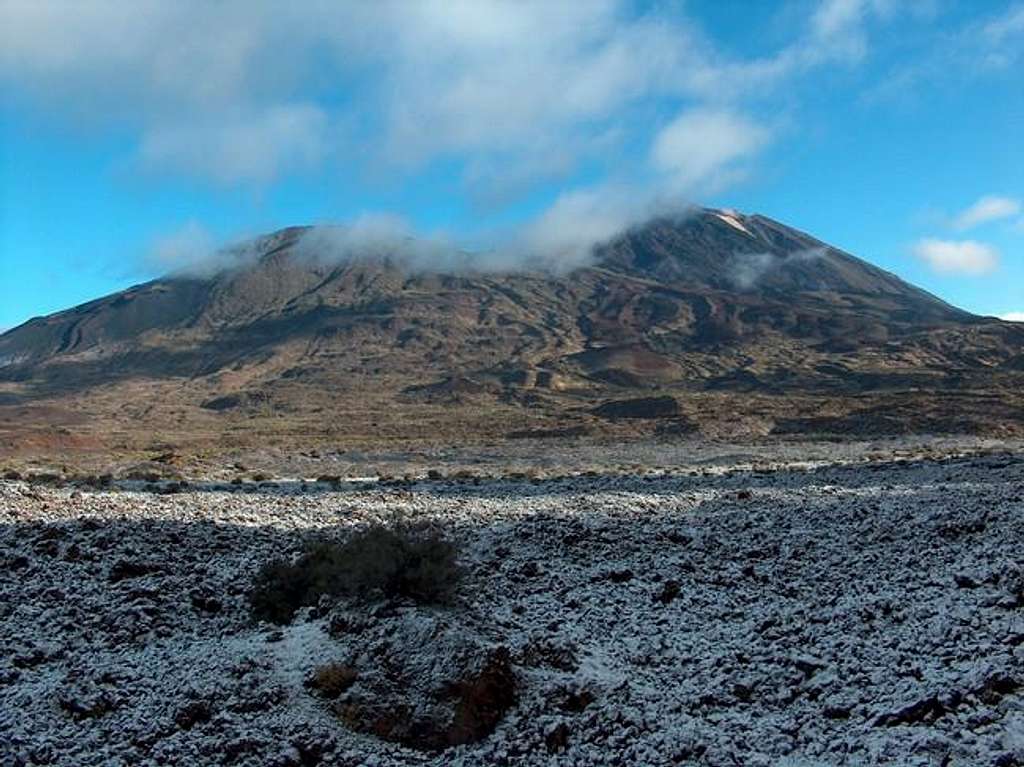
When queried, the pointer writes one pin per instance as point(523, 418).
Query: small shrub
point(332, 679)
point(378, 562)
point(279, 590)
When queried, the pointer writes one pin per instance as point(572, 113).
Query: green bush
point(377, 563)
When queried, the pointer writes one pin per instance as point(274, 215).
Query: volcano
point(714, 322)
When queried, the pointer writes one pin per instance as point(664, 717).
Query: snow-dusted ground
point(863, 614)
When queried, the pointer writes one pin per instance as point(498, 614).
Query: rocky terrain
point(714, 322)
point(721, 613)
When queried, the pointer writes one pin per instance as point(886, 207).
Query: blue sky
point(135, 138)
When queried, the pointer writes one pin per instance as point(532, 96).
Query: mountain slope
point(750, 325)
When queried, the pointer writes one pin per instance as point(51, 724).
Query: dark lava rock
point(207, 604)
point(19, 562)
point(576, 702)
point(483, 698)
point(124, 569)
point(469, 710)
point(192, 713)
point(544, 653)
point(997, 686)
point(87, 706)
point(313, 747)
point(965, 581)
point(427, 685)
point(530, 569)
point(259, 700)
point(742, 692)
point(836, 711)
point(923, 711)
point(30, 658)
point(669, 591)
point(808, 665)
point(343, 622)
point(557, 740)
point(233, 401)
point(641, 407)
point(677, 426)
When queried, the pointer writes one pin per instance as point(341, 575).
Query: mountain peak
point(719, 301)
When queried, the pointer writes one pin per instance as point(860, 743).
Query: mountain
point(735, 324)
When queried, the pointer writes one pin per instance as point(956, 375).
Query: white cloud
point(696, 148)
point(1012, 316)
point(986, 209)
point(840, 23)
point(380, 235)
point(524, 77)
point(419, 79)
point(566, 233)
point(987, 47)
point(149, 56)
point(249, 90)
point(1003, 38)
point(239, 147)
point(697, 152)
point(191, 248)
point(512, 93)
point(746, 270)
point(1009, 24)
point(967, 257)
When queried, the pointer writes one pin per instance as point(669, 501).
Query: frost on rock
point(425, 683)
point(834, 615)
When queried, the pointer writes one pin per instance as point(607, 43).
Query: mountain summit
point(734, 323)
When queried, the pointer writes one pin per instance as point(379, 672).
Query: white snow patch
point(729, 217)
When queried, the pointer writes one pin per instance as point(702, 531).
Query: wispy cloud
point(966, 257)
point(249, 91)
point(239, 147)
point(1012, 316)
point(987, 209)
point(747, 270)
point(1003, 37)
point(565, 234)
point(992, 45)
point(189, 249)
point(510, 94)
point(699, 146)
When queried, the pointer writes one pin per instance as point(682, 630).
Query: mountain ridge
point(716, 305)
